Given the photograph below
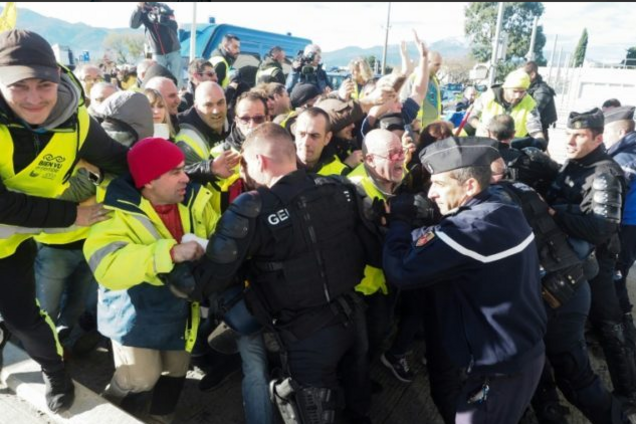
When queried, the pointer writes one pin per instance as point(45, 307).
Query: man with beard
point(512, 99)
point(312, 228)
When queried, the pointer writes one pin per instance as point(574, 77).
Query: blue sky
point(337, 25)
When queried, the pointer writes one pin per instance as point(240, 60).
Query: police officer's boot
point(4, 338)
point(165, 396)
point(620, 354)
point(545, 400)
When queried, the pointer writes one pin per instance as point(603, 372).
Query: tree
point(481, 23)
point(128, 48)
point(630, 59)
point(579, 53)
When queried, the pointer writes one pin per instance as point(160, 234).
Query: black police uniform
point(567, 296)
point(306, 244)
point(490, 326)
point(587, 196)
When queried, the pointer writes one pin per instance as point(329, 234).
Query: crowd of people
point(316, 231)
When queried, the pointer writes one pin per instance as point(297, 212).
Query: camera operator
point(161, 33)
point(307, 68)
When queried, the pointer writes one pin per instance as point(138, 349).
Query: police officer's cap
point(621, 113)
point(455, 152)
point(592, 119)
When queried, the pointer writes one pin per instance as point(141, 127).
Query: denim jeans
point(63, 281)
point(172, 62)
point(258, 408)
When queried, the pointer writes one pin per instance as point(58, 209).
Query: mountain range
point(80, 37)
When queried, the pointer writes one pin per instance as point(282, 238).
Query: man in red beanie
point(131, 255)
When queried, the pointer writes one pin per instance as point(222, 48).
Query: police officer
point(490, 327)
point(619, 138)
point(45, 130)
point(304, 242)
point(586, 202)
point(567, 297)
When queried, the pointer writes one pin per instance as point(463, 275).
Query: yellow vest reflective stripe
point(335, 167)
point(215, 60)
point(358, 93)
point(429, 112)
point(269, 72)
point(191, 136)
point(47, 176)
point(373, 280)
point(223, 183)
point(519, 113)
point(289, 116)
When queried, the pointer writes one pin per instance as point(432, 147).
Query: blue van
point(255, 44)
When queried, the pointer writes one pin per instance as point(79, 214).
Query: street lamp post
point(495, 45)
point(386, 39)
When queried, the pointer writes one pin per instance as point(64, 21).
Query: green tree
point(579, 53)
point(128, 48)
point(481, 23)
point(630, 59)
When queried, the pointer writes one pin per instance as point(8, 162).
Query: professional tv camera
point(306, 62)
point(158, 12)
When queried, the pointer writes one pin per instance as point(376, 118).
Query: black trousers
point(625, 262)
point(20, 311)
point(332, 354)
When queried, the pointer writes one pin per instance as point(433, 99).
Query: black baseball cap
point(25, 54)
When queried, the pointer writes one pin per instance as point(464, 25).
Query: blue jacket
point(482, 264)
point(624, 153)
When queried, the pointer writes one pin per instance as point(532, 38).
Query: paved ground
point(397, 403)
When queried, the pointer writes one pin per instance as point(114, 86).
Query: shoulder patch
point(425, 238)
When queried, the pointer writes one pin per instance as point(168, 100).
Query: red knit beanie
point(150, 158)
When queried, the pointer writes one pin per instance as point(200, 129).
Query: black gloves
point(416, 210)
point(402, 208)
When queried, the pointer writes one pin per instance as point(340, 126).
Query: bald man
point(311, 227)
point(205, 124)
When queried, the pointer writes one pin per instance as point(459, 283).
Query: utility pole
point(193, 32)
point(552, 53)
point(495, 45)
point(386, 38)
point(531, 54)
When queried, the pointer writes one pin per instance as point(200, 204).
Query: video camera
point(158, 12)
point(305, 61)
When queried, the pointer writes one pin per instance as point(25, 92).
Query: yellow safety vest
point(373, 280)
point(519, 112)
point(269, 72)
point(430, 112)
point(47, 176)
point(223, 184)
point(335, 167)
point(215, 60)
point(191, 136)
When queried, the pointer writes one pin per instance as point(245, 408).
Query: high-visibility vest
point(215, 60)
point(335, 167)
point(431, 108)
point(373, 280)
point(519, 112)
point(46, 176)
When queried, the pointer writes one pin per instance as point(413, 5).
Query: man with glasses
point(89, 75)
point(199, 70)
point(380, 176)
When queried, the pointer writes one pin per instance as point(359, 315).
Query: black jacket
point(30, 211)
point(161, 30)
point(543, 95)
point(277, 74)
